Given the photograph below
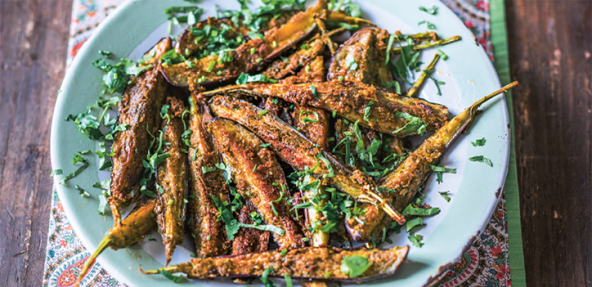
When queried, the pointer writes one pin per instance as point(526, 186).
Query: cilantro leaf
point(246, 78)
point(350, 62)
point(410, 210)
point(87, 124)
point(409, 224)
point(168, 275)
point(432, 11)
point(416, 240)
point(102, 209)
point(480, 158)
point(440, 169)
point(414, 124)
point(231, 224)
point(444, 194)
point(264, 276)
point(479, 142)
point(354, 265)
point(429, 24)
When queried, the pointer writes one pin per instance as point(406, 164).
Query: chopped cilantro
point(432, 11)
point(246, 78)
point(55, 172)
point(480, 158)
point(416, 240)
point(350, 62)
point(107, 54)
point(409, 224)
point(410, 210)
point(479, 142)
point(414, 124)
point(367, 111)
point(313, 89)
point(354, 265)
point(264, 279)
point(102, 209)
point(444, 194)
point(439, 170)
point(430, 25)
point(168, 275)
point(288, 280)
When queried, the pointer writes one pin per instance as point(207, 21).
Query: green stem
point(429, 45)
point(424, 75)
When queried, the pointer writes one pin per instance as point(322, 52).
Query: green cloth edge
point(499, 40)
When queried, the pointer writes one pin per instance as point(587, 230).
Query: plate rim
point(121, 11)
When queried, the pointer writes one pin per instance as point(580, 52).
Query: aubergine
point(367, 49)
point(410, 175)
point(314, 71)
point(132, 230)
point(210, 237)
point(310, 263)
point(279, 69)
point(171, 178)
point(303, 155)
point(140, 105)
point(249, 57)
point(249, 240)
point(258, 177)
point(373, 108)
point(188, 43)
point(313, 123)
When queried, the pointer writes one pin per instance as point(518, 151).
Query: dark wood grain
point(550, 46)
point(550, 43)
point(33, 41)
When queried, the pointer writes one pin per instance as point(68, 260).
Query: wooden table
point(550, 54)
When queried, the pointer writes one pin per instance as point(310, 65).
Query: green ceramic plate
point(468, 73)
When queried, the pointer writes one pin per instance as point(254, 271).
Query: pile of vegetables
point(271, 144)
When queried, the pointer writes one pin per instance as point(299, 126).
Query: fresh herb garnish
point(389, 46)
point(107, 54)
point(430, 25)
point(440, 169)
point(232, 225)
point(432, 11)
point(246, 78)
point(354, 265)
point(479, 142)
point(367, 111)
point(313, 89)
point(55, 172)
point(418, 211)
point(168, 275)
point(350, 62)
point(264, 279)
point(414, 124)
point(102, 209)
point(416, 240)
point(444, 194)
point(409, 224)
point(480, 158)
point(81, 191)
point(77, 158)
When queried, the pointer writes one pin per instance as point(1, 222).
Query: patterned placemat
point(485, 263)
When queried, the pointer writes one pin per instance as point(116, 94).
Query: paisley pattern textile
point(485, 263)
